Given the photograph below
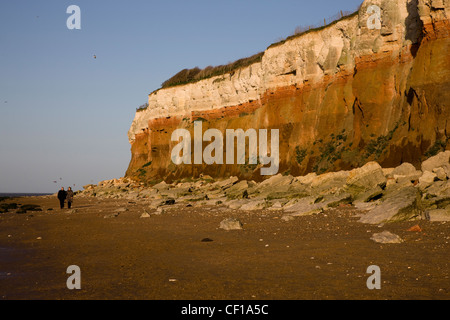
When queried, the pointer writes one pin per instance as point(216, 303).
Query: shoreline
point(164, 257)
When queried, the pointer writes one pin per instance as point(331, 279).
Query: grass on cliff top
point(196, 74)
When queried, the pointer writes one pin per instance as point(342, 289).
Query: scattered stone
point(386, 237)
point(230, 224)
point(111, 216)
point(145, 215)
point(287, 218)
point(416, 228)
point(120, 210)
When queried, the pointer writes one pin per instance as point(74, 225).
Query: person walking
point(69, 197)
point(62, 194)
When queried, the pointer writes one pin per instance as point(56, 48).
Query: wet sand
point(163, 257)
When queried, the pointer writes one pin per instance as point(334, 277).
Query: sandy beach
point(182, 254)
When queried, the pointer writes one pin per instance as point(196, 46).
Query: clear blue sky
point(64, 114)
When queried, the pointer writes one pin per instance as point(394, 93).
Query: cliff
point(340, 96)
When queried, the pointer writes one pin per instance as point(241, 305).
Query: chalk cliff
point(341, 96)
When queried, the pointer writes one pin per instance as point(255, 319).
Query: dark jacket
point(69, 196)
point(62, 195)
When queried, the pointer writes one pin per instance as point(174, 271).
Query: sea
point(18, 195)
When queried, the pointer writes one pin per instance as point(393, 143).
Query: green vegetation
point(300, 154)
point(330, 152)
point(141, 173)
point(29, 207)
point(300, 31)
point(8, 206)
point(376, 147)
point(196, 74)
point(438, 146)
point(147, 164)
point(142, 107)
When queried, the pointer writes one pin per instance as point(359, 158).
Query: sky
point(64, 115)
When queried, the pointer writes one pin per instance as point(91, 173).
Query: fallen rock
point(399, 205)
point(287, 218)
point(145, 215)
point(416, 228)
point(253, 205)
point(439, 189)
point(224, 184)
point(440, 174)
point(159, 211)
point(426, 180)
point(168, 202)
point(365, 178)
point(439, 215)
point(111, 216)
point(439, 161)
point(230, 224)
point(331, 181)
point(405, 169)
point(386, 237)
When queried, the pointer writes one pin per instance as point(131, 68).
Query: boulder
point(230, 224)
point(439, 215)
point(253, 205)
point(405, 169)
point(306, 180)
point(365, 178)
point(439, 189)
point(386, 237)
point(442, 160)
point(224, 184)
point(237, 191)
point(440, 174)
point(426, 180)
point(236, 204)
point(331, 181)
point(398, 205)
point(316, 204)
point(279, 184)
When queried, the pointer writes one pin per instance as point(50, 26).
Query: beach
point(182, 254)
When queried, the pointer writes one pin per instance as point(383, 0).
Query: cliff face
point(340, 96)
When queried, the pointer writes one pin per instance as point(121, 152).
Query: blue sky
point(64, 115)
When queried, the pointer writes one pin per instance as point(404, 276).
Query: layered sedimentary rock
point(340, 96)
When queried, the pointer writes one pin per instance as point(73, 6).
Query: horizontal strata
point(343, 78)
